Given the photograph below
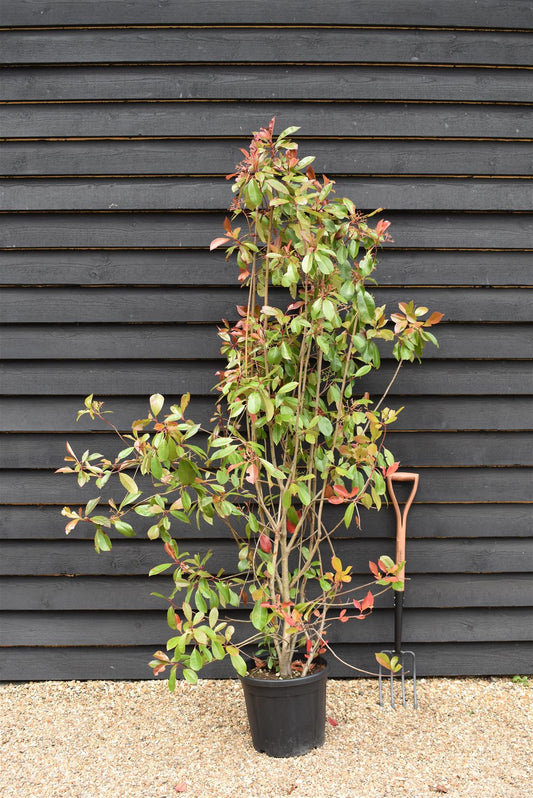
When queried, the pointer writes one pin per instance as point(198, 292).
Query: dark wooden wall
point(118, 121)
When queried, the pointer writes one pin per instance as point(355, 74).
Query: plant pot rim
point(272, 684)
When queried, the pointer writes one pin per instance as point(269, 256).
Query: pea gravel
point(469, 737)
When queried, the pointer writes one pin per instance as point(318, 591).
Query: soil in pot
point(287, 717)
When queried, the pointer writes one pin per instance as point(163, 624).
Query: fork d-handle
point(401, 525)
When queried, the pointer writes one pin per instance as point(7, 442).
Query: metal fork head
point(401, 657)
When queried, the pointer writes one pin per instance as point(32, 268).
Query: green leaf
point(89, 507)
point(124, 529)
point(101, 541)
point(253, 194)
point(259, 616)
point(239, 664)
point(254, 403)
point(325, 426)
point(156, 468)
point(190, 676)
point(157, 569)
point(127, 482)
point(156, 403)
point(303, 493)
point(218, 650)
point(186, 472)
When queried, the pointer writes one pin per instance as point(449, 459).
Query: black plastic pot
point(287, 717)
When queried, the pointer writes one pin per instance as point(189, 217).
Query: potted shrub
point(294, 434)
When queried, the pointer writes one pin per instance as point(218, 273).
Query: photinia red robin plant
point(294, 433)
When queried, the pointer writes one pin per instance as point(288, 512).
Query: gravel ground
point(469, 737)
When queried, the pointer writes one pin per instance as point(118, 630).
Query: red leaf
point(217, 242)
point(265, 544)
point(392, 469)
point(291, 528)
point(343, 618)
point(181, 787)
point(368, 602)
point(332, 722)
point(373, 567)
point(227, 225)
point(434, 318)
point(381, 226)
point(252, 473)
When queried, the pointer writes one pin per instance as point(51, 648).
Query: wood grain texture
point(447, 413)
point(174, 377)
point(265, 82)
point(500, 231)
point(254, 45)
point(211, 157)
point(100, 662)
point(484, 13)
point(426, 521)
point(208, 194)
point(235, 119)
point(495, 484)
point(210, 270)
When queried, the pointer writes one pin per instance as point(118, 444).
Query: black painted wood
point(57, 414)
point(135, 593)
point(206, 120)
point(416, 449)
point(255, 45)
point(211, 157)
point(114, 174)
point(185, 305)
point(266, 82)
point(183, 194)
point(499, 231)
point(143, 377)
point(210, 270)
point(431, 521)
point(484, 13)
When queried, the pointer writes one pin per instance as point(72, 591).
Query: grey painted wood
point(253, 45)
point(211, 157)
point(266, 82)
point(180, 305)
point(134, 593)
point(484, 13)
point(183, 194)
point(178, 341)
point(45, 450)
point(205, 119)
point(497, 484)
point(57, 414)
point(210, 270)
point(140, 377)
point(494, 520)
point(177, 230)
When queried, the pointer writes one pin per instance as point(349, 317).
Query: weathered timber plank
point(191, 157)
point(417, 230)
point(148, 341)
point(115, 377)
point(497, 484)
point(150, 628)
point(41, 522)
point(198, 268)
point(131, 662)
point(449, 413)
point(134, 593)
point(148, 305)
point(245, 45)
point(413, 449)
point(184, 194)
point(484, 13)
point(227, 82)
point(205, 119)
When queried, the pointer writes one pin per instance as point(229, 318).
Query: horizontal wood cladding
point(150, 628)
point(210, 157)
point(426, 521)
point(51, 119)
point(127, 558)
point(173, 377)
point(186, 194)
point(483, 13)
point(100, 662)
point(411, 448)
point(135, 593)
point(257, 44)
point(180, 305)
point(148, 267)
point(227, 82)
point(495, 484)
point(500, 231)
point(57, 414)
point(149, 341)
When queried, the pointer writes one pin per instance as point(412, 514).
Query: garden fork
point(401, 523)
